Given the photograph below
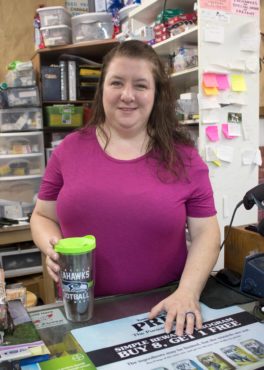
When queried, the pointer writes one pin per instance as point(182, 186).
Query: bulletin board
point(229, 46)
point(16, 31)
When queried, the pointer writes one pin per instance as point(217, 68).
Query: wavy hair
point(162, 127)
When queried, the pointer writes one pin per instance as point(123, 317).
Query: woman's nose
point(127, 93)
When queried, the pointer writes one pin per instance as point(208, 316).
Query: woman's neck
point(122, 145)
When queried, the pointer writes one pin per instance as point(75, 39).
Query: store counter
point(54, 329)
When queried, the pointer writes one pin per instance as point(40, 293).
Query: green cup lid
point(76, 245)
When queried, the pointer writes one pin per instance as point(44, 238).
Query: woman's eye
point(116, 83)
point(141, 87)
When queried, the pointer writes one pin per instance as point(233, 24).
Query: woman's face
point(128, 94)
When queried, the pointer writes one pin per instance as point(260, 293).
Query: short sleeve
point(52, 180)
point(201, 201)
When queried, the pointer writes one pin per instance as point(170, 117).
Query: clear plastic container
point(54, 16)
point(19, 189)
point(21, 166)
point(20, 119)
point(23, 75)
point(56, 35)
point(23, 97)
point(21, 144)
point(91, 26)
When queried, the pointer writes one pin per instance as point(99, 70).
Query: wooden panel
point(241, 243)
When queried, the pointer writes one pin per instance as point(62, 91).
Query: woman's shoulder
point(78, 137)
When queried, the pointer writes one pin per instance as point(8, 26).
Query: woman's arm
point(202, 256)
point(46, 232)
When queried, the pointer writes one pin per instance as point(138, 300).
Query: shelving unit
point(93, 50)
point(227, 190)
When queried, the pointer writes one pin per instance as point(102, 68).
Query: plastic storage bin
point(54, 16)
point(20, 190)
point(22, 76)
point(56, 35)
point(17, 143)
point(64, 115)
point(20, 166)
point(19, 119)
point(23, 97)
point(91, 26)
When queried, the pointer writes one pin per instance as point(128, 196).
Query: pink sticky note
point(225, 131)
point(212, 133)
point(222, 82)
point(209, 80)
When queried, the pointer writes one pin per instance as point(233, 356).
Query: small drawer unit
point(22, 189)
point(18, 143)
point(20, 119)
point(21, 166)
point(54, 16)
point(56, 35)
point(20, 259)
point(23, 97)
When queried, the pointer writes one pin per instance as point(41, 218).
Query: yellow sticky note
point(210, 90)
point(238, 83)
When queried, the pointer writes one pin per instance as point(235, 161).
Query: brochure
point(230, 338)
point(21, 339)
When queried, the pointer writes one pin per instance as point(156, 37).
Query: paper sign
point(215, 16)
point(250, 157)
point(225, 131)
point(209, 102)
point(212, 133)
point(224, 5)
point(225, 153)
point(48, 318)
point(222, 82)
point(234, 129)
point(252, 64)
point(245, 7)
point(211, 116)
point(210, 90)
point(237, 65)
point(238, 83)
point(210, 154)
point(209, 80)
point(214, 34)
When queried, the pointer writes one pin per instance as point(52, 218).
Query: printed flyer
point(230, 339)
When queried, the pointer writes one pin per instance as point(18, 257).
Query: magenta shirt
point(138, 220)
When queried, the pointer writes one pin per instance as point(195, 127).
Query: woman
point(133, 180)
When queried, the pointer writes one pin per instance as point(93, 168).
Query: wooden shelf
point(90, 49)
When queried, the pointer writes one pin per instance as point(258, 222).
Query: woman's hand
point(52, 258)
point(182, 307)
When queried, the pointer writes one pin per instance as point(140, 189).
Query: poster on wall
point(219, 5)
point(229, 338)
point(246, 7)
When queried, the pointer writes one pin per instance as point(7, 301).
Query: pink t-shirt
point(137, 219)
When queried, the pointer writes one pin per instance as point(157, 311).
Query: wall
point(16, 31)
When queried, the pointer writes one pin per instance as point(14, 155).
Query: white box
point(56, 35)
point(91, 26)
point(54, 16)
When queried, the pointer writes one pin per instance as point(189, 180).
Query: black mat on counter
point(217, 295)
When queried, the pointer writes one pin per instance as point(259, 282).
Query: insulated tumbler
point(77, 276)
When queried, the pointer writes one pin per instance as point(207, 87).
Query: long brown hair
point(163, 128)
